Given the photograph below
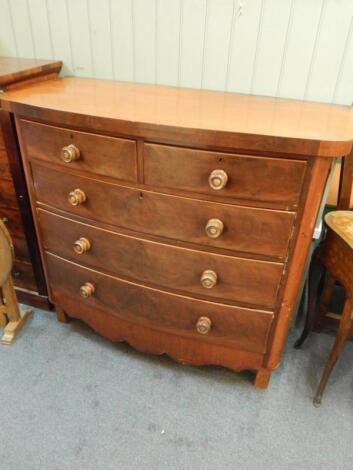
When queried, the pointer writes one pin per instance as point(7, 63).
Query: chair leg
point(316, 273)
point(343, 334)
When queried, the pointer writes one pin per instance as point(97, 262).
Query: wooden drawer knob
point(203, 325)
point(82, 245)
point(218, 179)
point(87, 289)
point(214, 228)
point(70, 153)
point(209, 278)
point(77, 197)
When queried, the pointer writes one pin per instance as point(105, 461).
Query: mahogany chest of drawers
point(14, 207)
point(176, 220)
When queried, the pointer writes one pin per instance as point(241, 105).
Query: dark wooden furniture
point(177, 220)
point(14, 206)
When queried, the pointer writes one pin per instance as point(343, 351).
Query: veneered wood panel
point(211, 119)
point(249, 178)
point(231, 326)
point(101, 155)
point(166, 266)
point(246, 229)
point(7, 194)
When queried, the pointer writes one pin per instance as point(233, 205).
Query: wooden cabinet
point(180, 233)
point(14, 206)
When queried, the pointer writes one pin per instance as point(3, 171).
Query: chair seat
point(341, 222)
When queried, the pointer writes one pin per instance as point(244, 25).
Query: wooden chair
point(11, 318)
point(332, 262)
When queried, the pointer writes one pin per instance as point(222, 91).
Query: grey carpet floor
point(72, 400)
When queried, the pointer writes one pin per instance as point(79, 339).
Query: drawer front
point(12, 220)
point(2, 143)
point(4, 165)
point(245, 329)
point(23, 275)
point(246, 229)
point(98, 154)
point(236, 279)
point(244, 177)
point(7, 194)
point(21, 249)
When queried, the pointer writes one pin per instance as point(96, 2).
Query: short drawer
point(191, 271)
point(12, 220)
point(259, 179)
point(23, 275)
point(245, 229)
point(97, 154)
point(245, 329)
point(7, 194)
point(4, 165)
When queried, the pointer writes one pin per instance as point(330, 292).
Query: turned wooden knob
point(82, 245)
point(77, 197)
point(70, 153)
point(208, 278)
point(203, 325)
point(218, 179)
point(214, 228)
point(87, 289)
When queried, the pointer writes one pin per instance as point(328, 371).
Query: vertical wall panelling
point(270, 49)
point(38, 18)
point(300, 47)
point(22, 28)
point(78, 20)
point(168, 41)
point(344, 84)
point(330, 47)
point(289, 48)
point(243, 47)
point(100, 34)
point(193, 16)
point(144, 13)
point(217, 41)
point(60, 34)
point(7, 36)
point(122, 39)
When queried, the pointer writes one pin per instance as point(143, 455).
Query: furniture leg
point(316, 272)
point(61, 315)
point(341, 338)
point(16, 317)
point(262, 378)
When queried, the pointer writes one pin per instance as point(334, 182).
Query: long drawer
point(271, 180)
point(7, 194)
point(94, 153)
point(245, 229)
point(4, 165)
point(191, 271)
point(245, 329)
point(23, 275)
point(12, 220)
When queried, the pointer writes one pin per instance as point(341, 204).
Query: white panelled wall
point(290, 48)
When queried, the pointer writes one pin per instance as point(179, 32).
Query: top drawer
point(97, 154)
point(262, 179)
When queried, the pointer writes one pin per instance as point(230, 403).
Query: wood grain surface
point(204, 117)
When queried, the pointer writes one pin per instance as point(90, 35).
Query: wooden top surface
point(14, 69)
point(341, 222)
point(329, 128)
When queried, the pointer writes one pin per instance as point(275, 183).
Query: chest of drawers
point(176, 220)
point(14, 208)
